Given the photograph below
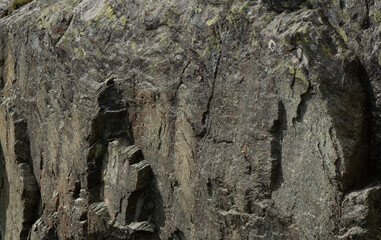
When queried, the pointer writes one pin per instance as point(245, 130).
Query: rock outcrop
point(190, 119)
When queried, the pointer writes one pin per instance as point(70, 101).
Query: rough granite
point(187, 119)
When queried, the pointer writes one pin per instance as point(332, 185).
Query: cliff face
point(190, 119)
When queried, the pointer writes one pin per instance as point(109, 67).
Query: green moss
point(301, 40)
point(376, 15)
point(106, 13)
point(254, 38)
point(336, 3)
point(164, 42)
point(356, 27)
point(215, 42)
point(267, 19)
point(80, 53)
point(327, 51)
point(17, 4)
point(123, 20)
point(293, 70)
point(205, 52)
point(342, 33)
point(109, 13)
point(154, 67)
point(238, 9)
point(379, 59)
point(98, 54)
point(300, 75)
point(213, 20)
point(307, 4)
point(345, 16)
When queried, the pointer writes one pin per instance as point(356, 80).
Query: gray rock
point(141, 226)
point(190, 119)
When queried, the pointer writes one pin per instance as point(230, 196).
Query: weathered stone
point(361, 214)
point(190, 119)
point(141, 226)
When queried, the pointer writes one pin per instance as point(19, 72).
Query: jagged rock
point(134, 154)
point(41, 231)
point(141, 175)
point(281, 5)
point(361, 211)
point(141, 227)
point(177, 235)
point(101, 210)
point(190, 119)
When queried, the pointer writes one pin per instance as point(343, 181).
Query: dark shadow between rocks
point(4, 195)
point(178, 235)
point(374, 128)
point(350, 102)
point(283, 5)
point(158, 214)
point(141, 211)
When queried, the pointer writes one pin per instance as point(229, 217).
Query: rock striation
point(185, 119)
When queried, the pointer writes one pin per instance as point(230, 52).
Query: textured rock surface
point(190, 119)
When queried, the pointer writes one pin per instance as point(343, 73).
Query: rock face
point(190, 119)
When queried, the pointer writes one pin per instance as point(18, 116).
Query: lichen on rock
point(190, 119)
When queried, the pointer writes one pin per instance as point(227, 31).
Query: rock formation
point(188, 119)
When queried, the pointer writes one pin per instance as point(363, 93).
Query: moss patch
point(293, 70)
point(342, 33)
point(327, 51)
point(375, 15)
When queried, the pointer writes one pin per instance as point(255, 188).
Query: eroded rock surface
point(190, 119)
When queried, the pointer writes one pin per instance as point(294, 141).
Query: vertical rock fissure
point(207, 111)
point(120, 181)
point(277, 129)
point(31, 191)
point(4, 195)
point(302, 106)
point(109, 124)
point(374, 140)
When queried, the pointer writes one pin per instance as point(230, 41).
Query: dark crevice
point(4, 195)
point(77, 189)
point(207, 111)
point(2, 82)
point(140, 204)
point(359, 172)
point(181, 80)
point(178, 235)
point(94, 170)
point(159, 134)
point(374, 139)
point(219, 141)
point(31, 192)
point(209, 186)
point(110, 123)
point(293, 81)
point(277, 129)
point(366, 22)
point(342, 4)
point(302, 107)
point(136, 155)
point(283, 5)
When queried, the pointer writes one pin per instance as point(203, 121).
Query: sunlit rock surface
point(190, 119)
